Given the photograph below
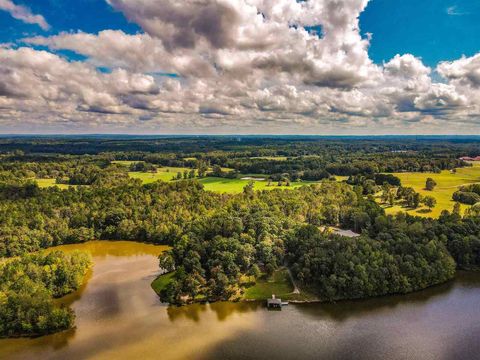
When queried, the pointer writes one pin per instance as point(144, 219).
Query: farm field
point(275, 158)
point(124, 162)
point(44, 183)
point(221, 185)
point(447, 184)
point(235, 186)
point(164, 174)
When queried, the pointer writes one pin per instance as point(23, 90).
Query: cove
point(120, 317)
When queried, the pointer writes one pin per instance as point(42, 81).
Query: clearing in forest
point(447, 183)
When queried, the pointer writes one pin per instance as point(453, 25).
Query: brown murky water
point(120, 317)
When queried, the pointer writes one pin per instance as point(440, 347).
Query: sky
point(240, 66)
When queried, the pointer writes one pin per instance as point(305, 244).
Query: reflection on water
point(222, 310)
point(120, 317)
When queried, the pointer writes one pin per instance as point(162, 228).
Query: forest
point(217, 238)
point(28, 285)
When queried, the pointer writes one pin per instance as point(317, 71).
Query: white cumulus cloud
point(233, 66)
point(24, 14)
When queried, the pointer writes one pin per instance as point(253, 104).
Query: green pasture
point(235, 186)
point(447, 183)
point(45, 183)
point(124, 162)
point(221, 185)
point(164, 174)
point(274, 158)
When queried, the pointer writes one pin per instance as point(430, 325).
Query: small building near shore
point(274, 303)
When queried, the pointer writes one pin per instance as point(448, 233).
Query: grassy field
point(44, 183)
point(164, 174)
point(447, 184)
point(279, 284)
point(235, 186)
point(341, 178)
point(221, 185)
point(275, 158)
point(263, 288)
point(161, 282)
point(124, 162)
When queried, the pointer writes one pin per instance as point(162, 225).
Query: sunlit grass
point(221, 185)
point(164, 174)
point(235, 186)
point(447, 183)
point(162, 281)
point(45, 183)
point(275, 158)
point(279, 284)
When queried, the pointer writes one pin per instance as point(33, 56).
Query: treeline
point(243, 146)
point(320, 167)
point(469, 195)
point(28, 285)
point(462, 237)
point(395, 255)
point(34, 218)
point(158, 213)
point(309, 159)
point(397, 260)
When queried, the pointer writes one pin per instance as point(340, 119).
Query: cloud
point(140, 52)
point(42, 78)
point(454, 11)
point(241, 66)
point(440, 98)
point(465, 71)
point(24, 14)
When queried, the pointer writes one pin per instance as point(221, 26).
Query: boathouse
point(274, 303)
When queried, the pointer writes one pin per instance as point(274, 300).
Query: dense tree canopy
point(27, 286)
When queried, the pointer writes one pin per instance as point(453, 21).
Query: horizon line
point(234, 134)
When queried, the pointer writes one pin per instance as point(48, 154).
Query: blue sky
point(434, 30)
point(65, 15)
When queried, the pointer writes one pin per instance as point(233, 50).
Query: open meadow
point(216, 184)
point(45, 183)
point(164, 174)
point(234, 186)
point(447, 183)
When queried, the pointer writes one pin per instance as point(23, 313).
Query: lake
point(120, 317)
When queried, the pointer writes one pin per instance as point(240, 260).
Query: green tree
point(430, 202)
point(430, 184)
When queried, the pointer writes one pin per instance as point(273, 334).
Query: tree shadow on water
point(222, 309)
point(345, 309)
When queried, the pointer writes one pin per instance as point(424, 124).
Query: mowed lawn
point(447, 184)
point(162, 281)
point(264, 287)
